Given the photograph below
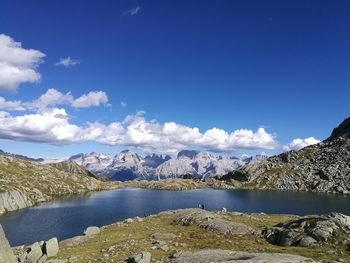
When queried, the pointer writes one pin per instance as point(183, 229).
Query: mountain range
point(128, 165)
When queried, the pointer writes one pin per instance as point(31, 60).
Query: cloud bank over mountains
point(54, 126)
point(46, 120)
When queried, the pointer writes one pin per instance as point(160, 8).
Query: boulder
point(342, 219)
point(191, 216)
point(6, 254)
point(34, 253)
point(307, 241)
point(50, 247)
point(321, 230)
point(142, 257)
point(92, 231)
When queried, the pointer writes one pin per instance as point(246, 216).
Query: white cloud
point(123, 103)
point(10, 105)
point(93, 98)
point(50, 98)
point(53, 126)
point(298, 144)
point(49, 127)
point(133, 11)
point(17, 65)
point(67, 62)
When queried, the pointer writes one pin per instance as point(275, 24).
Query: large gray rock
point(307, 241)
point(192, 216)
point(218, 255)
point(34, 253)
point(321, 230)
point(6, 254)
point(343, 220)
point(142, 257)
point(50, 247)
point(92, 231)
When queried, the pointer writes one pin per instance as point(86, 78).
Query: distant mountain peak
point(342, 130)
point(187, 153)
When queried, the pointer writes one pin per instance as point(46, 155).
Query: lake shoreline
point(177, 184)
point(179, 234)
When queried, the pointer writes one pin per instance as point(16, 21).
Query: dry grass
point(122, 240)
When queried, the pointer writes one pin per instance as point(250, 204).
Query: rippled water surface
point(69, 217)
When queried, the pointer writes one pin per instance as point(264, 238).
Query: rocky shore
point(196, 235)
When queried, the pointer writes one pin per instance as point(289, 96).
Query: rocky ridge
point(128, 165)
point(323, 167)
point(24, 183)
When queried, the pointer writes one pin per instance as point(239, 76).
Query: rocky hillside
point(128, 165)
point(323, 167)
point(72, 167)
point(24, 183)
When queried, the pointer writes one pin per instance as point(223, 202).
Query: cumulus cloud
point(52, 98)
point(17, 64)
point(10, 105)
point(93, 98)
point(133, 11)
point(49, 127)
point(67, 62)
point(54, 127)
point(298, 144)
point(123, 103)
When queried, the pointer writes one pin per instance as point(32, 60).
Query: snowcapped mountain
point(128, 165)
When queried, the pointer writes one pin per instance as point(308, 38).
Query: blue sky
point(230, 65)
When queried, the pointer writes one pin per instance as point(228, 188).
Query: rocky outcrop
point(210, 221)
point(38, 252)
point(323, 167)
point(6, 254)
point(25, 183)
point(13, 200)
point(218, 255)
point(310, 231)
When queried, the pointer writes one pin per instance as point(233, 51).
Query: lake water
point(69, 217)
